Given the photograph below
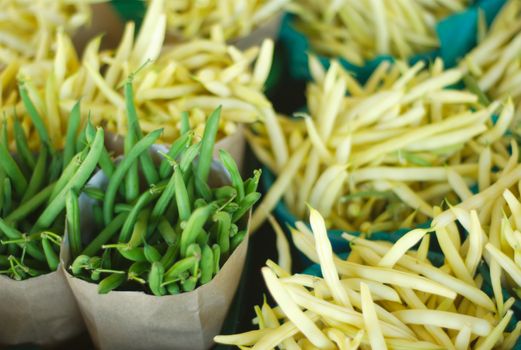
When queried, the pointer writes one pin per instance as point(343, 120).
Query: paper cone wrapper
point(234, 144)
point(135, 320)
point(39, 310)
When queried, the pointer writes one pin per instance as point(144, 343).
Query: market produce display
point(28, 28)
point(360, 31)
point(383, 296)
point(495, 63)
point(376, 157)
point(35, 189)
point(167, 231)
point(228, 18)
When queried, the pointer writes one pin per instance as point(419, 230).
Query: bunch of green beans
point(35, 188)
point(162, 228)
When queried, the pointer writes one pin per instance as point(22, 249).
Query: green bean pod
point(185, 123)
point(181, 195)
point(237, 239)
point(72, 128)
point(34, 115)
point(38, 176)
point(252, 183)
point(8, 196)
point(151, 253)
point(55, 168)
point(223, 221)
point(79, 263)
point(173, 288)
point(194, 224)
point(202, 189)
point(207, 264)
point(181, 266)
point(181, 144)
point(164, 200)
point(77, 181)
point(144, 200)
point(245, 205)
point(216, 258)
point(97, 214)
point(94, 193)
point(132, 175)
point(189, 284)
point(137, 269)
point(188, 157)
point(155, 279)
point(25, 209)
point(111, 282)
point(4, 262)
point(14, 234)
point(140, 230)
point(167, 232)
point(8, 164)
point(50, 254)
point(105, 235)
point(105, 162)
point(225, 192)
point(72, 208)
point(69, 172)
point(230, 165)
point(133, 254)
point(207, 144)
point(170, 255)
point(21, 143)
point(121, 208)
point(114, 182)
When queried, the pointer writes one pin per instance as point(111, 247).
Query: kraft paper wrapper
point(135, 320)
point(235, 144)
point(39, 310)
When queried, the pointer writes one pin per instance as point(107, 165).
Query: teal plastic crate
point(456, 33)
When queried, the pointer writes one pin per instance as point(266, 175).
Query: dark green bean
point(237, 239)
point(79, 264)
point(14, 234)
point(223, 221)
point(73, 222)
point(155, 279)
point(105, 235)
point(182, 143)
point(245, 205)
point(35, 116)
point(121, 208)
point(181, 266)
point(114, 182)
point(38, 176)
point(173, 288)
point(167, 232)
point(189, 284)
point(140, 229)
point(50, 254)
point(143, 201)
point(94, 193)
point(31, 205)
point(105, 162)
point(230, 165)
point(216, 258)
point(225, 192)
point(164, 200)
point(69, 172)
point(170, 255)
point(151, 253)
point(202, 189)
point(252, 183)
point(133, 254)
point(81, 141)
point(72, 128)
point(8, 196)
point(188, 157)
point(21, 143)
point(207, 143)
point(77, 182)
point(207, 264)
point(132, 176)
point(55, 168)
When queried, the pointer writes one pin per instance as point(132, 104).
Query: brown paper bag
point(39, 310)
point(135, 320)
point(235, 144)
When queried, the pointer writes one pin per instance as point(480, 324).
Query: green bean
point(50, 254)
point(4, 261)
point(132, 176)
point(231, 207)
point(8, 196)
point(181, 266)
point(77, 181)
point(70, 136)
point(151, 253)
point(170, 255)
point(30, 205)
point(155, 279)
point(79, 264)
point(194, 224)
point(200, 202)
point(237, 239)
point(95, 275)
point(73, 222)
point(38, 176)
point(188, 157)
point(223, 221)
point(189, 284)
point(245, 205)
point(4, 139)
point(230, 165)
point(202, 189)
point(167, 232)
point(119, 208)
point(94, 193)
point(207, 264)
point(97, 214)
point(164, 200)
point(147, 165)
point(252, 183)
point(69, 172)
point(137, 269)
point(140, 229)
point(35, 116)
point(133, 254)
point(111, 282)
point(21, 143)
point(173, 289)
point(105, 259)
point(12, 170)
point(190, 189)
point(225, 192)
point(114, 182)
point(105, 235)
point(143, 201)
point(216, 258)
point(181, 195)
point(105, 162)
point(202, 238)
point(185, 122)
point(234, 229)
point(165, 169)
point(14, 234)
point(207, 143)
point(81, 140)
point(2, 198)
point(55, 168)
